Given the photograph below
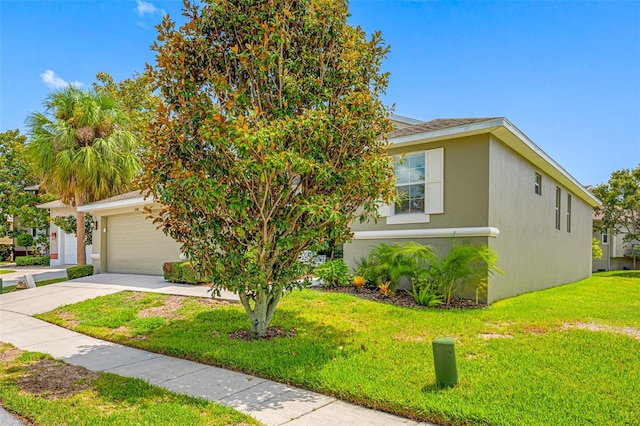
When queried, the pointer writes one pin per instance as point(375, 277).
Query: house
point(480, 180)
point(484, 181)
point(62, 246)
point(616, 253)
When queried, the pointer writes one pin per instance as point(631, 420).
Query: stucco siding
point(533, 253)
point(466, 177)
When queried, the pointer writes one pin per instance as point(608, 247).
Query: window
point(605, 236)
point(558, 195)
point(419, 181)
point(410, 183)
point(568, 212)
point(537, 184)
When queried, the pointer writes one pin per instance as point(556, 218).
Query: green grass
point(6, 271)
point(10, 288)
point(109, 400)
point(520, 361)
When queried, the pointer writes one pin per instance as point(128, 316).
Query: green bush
point(334, 273)
point(79, 271)
point(6, 250)
point(181, 272)
point(32, 260)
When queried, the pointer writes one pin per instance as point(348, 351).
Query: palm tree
point(82, 150)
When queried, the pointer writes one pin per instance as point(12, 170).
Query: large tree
point(270, 139)
point(620, 198)
point(82, 149)
point(16, 174)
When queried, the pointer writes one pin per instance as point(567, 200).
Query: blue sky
point(567, 74)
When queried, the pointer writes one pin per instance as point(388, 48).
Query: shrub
point(79, 271)
point(465, 265)
point(388, 262)
point(6, 250)
point(32, 260)
point(334, 273)
point(423, 290)
point(181, 272)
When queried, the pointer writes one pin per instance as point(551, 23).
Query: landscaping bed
point(567, 355)
point(401, 298)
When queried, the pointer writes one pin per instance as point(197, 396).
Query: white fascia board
point(534, 153)
point(131, 202)
point(485, 231)
point(404, 120)
point(458, 131)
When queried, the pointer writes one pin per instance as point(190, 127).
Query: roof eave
point(131, 202)
point(512, 137)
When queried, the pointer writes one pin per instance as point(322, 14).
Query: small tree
point(596, 250)
point(620, 208)
point(25, 240)
point(269, 141)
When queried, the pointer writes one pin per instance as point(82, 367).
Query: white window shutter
point(384, 210)
point(434, 181)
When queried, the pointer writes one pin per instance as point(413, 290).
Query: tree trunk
point(262, 311)
point(80, 234)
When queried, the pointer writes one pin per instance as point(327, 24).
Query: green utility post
point(0, 285)
point(444, 360)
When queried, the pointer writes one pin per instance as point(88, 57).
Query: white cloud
point(54, 82)
point(145, 8)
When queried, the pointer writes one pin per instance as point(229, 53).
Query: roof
point(449, 128)
point(437, 124)
point(128, 199)
point(126, 196)
point(404, 120)
point(53, 204)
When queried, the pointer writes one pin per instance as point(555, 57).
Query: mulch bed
point(401, 298)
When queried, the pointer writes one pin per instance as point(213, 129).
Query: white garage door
point(135, 246)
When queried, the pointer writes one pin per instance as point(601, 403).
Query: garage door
point(135, 246)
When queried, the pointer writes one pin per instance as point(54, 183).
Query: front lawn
point(568, 355)
point(6, 271)
point(49, 392)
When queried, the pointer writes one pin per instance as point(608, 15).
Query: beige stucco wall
point(466, 178)
point(533, 253)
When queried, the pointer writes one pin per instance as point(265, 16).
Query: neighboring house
point(616, 253)
point(482, 180)
point(62, 246)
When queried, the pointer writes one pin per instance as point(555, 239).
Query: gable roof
point(437, 124)
point(450, 128)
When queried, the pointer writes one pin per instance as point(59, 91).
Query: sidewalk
point(39, 273)
point(270, 402)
